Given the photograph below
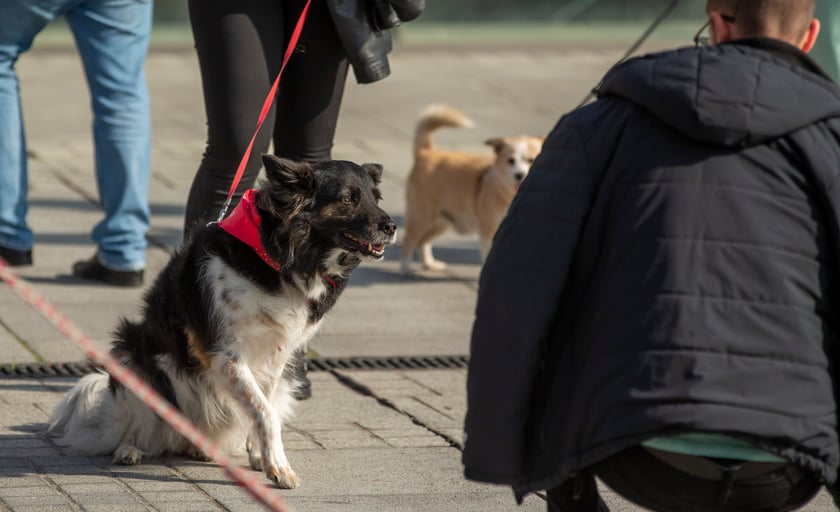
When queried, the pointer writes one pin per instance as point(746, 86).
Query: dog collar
point(244, 225)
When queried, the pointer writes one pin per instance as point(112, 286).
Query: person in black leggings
point(240, 47)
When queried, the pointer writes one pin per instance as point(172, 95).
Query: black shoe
point(16, 258)
point(296, 371)
point(93, 270)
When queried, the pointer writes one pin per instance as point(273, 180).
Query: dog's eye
point(511, 161)
point(348, 199)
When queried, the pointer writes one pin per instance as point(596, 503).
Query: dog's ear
point(496, 143)
point(374, 171)
point(288, 173)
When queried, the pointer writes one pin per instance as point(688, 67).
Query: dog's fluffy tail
point(434, 117)
point(84, 418)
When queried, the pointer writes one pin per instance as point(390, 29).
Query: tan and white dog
point(469, 192)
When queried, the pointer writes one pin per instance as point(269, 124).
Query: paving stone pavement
point(368, 439)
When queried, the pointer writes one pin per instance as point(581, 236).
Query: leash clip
point(223, 210)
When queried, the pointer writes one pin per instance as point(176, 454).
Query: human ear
point(810, 37)
point(720, 29)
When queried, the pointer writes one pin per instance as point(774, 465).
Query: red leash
point(266, 106)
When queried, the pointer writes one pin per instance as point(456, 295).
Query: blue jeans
point(112, 37)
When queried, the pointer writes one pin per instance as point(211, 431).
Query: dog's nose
point(519, 176)
point(388, 226)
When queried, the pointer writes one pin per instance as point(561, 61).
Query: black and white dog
point(223, 317)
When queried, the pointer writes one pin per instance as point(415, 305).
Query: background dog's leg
point(244, 387)
point(407, 253)
point(425, 243)
point(428, 259)
point(418, 235)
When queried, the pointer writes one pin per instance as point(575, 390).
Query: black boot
point(296, 371)
point(16, 258)
point(93, 270)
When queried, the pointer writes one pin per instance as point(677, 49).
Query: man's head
point(791, 21)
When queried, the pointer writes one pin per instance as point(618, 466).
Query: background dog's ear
point(374, 171)
point(291, 174)
point(497, 143)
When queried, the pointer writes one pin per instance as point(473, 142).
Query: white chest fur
point(257, 325)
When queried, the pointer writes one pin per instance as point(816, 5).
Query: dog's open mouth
point(364, 247)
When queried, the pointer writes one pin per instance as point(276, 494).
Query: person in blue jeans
point(112, 37)
point(827, 50)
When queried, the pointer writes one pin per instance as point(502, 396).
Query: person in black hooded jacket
point(660, 306)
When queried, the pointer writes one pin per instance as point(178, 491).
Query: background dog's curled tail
point(434, 117)
point(83, 419)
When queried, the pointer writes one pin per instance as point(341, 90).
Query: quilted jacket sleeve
point(522, 283)
point(819, 147)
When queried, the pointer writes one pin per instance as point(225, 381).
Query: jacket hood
point(734, 94)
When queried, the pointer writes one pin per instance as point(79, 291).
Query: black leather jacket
point(364, 28)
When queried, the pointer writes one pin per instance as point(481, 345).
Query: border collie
point(223, 317)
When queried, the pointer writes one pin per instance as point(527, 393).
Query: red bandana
point(244, 225)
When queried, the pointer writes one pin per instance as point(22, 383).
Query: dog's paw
point(435, 265)
point(196, 454)
point(276, 467)
point(405, 269)
point(128, 455)
point(283, 478)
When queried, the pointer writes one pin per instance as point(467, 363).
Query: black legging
point(240, 47)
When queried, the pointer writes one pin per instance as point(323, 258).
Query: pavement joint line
point(433, 408)
point(163, 179)
point(371, 433)
point(70, 184)
point(422, 385)
point(137, 496)
point(57, 488)
point(38, 358)
point(308, 436)
point(364, 390)
point(180, 474)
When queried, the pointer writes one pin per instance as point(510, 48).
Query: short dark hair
point(784, 19)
